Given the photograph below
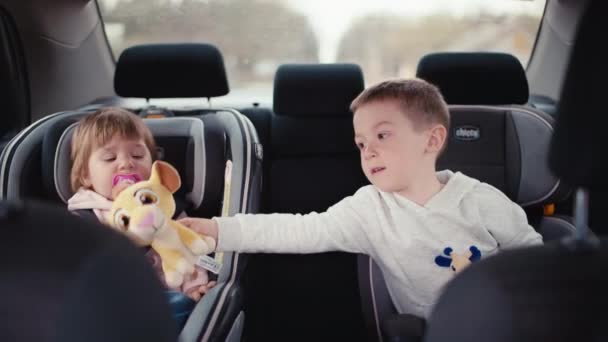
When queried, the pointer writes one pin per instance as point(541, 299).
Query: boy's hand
point(200, 225)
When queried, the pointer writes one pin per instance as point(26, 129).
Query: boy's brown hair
point(97, 130)
point(421, 101)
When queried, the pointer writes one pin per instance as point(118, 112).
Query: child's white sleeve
point(506, 220)
point(340, 228)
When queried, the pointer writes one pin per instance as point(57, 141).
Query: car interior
point(266, 87)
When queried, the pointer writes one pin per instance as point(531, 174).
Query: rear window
point(385, 37)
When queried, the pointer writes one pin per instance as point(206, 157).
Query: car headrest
point(180, 140)
point(480, 78)
point(171, 71)
point(506, 147)
point(316, 89)
point(580, 107)
point(86, 260)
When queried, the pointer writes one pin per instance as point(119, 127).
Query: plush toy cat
point(143, 212)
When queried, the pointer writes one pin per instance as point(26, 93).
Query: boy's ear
point(166, 175)
point(437, 138)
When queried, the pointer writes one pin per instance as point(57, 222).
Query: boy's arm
point(340, 228)
point(506, 221)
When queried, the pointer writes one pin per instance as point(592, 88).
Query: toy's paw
point(174, 279)
point(199, 247)
point(184, 266)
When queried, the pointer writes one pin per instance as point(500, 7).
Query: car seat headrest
point(171, 71)
point(87, 259)
point(480, 78)
point(316, 89)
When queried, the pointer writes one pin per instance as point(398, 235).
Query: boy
point(419, 225)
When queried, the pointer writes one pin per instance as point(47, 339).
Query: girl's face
point(121, 161)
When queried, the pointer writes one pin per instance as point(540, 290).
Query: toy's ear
point(443, 261)
point(166, 175)
point(475, 253)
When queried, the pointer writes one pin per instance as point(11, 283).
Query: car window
point(385, 37)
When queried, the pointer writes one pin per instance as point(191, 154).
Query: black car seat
point(36, 164)
point(493, 137)
point(65, 279)
point(487, 93)
point(554, 292)
point(310, 163)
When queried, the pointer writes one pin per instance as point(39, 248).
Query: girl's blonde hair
point(97, 130)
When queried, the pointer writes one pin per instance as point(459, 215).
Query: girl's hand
point(199, 292)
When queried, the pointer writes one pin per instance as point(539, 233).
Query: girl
point(111, 149)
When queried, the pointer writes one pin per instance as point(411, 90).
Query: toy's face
point(142, 209)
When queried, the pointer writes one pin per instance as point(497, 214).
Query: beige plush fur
point(143, 211)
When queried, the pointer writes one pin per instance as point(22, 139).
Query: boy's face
point(393, 153)
point(119, 163)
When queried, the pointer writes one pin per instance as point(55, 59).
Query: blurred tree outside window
point(385, 37)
